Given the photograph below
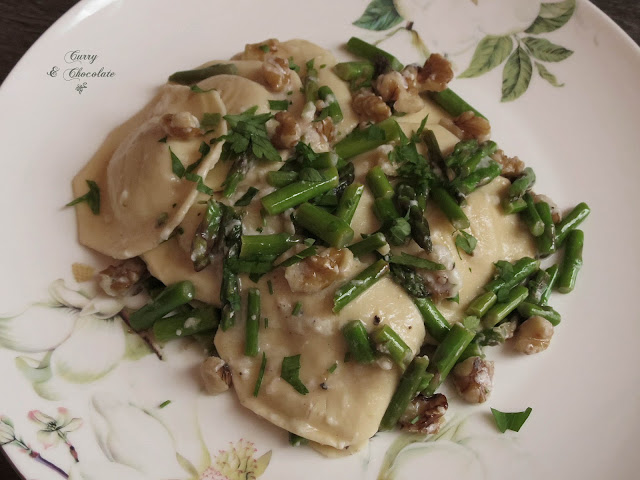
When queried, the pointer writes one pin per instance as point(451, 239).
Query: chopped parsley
point(163, 139)
point(466, 242)
point(270, 285)
point(265, 48)
point(290, 373)
point(245, 199)
point(297, 309)
point(248, 136)
point(92, 198)
point(455, 299)
point(263, 365)
point(510, 421)
point(176, 165)
point(204, 151)
point(293, 66)
point(200, 185)
point(333, 367)
point(164, 404)
point(278, 104)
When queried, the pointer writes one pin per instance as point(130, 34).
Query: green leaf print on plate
point(379, 15)
point(552, 16)
point(516, 75)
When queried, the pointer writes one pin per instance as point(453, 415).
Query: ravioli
point(142, 199)
point(342, 409)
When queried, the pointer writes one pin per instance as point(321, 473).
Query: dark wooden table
point(22, 22)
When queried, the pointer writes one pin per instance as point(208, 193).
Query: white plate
point(580, 138)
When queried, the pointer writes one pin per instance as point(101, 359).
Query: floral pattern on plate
point(516, 40)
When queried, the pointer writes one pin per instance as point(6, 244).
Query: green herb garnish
point(416, 262)
point(200, 186)
point(245, 199)
point(263, 365)
point(290, 373)
point(278, 104)
point(510, 421)
point(293, 66)
point(466, 242)
point(297, 309)
point(164, 404)
point(92, 198)
point(248, 136)
point(176, 165)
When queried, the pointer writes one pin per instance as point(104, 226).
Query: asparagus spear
point(206, 235)
point(230, 288)
point(483, 151)
point(414, 376)
point(408, 278)
point(528, 309)
point(433, 148)
point(188, 77)
point(360, 141)
point(357, 74)
point(389, 342)
point(481, 304)
point(171, 298)
point(333, 109)
point(572, 262)
point(450, 208)
point(473, 350)
point(501, 310)
point(452, 103)
point(518, 273)
point(280, 178)
point(522, 184)
point(197, 320)
point(532, 217)
point(537, 286)
point(299, 192)
point(434, 321)
point(359, 284)
point(368, 245)
point(253, 323)
point(481, 176)
point(266, 246)
point(372, 53)
point(571, 222)
point(333, 230)
point(237, 172)
point(447, 355)
point(408, 202)
point(515, 206)
point(553, 272)
point(348, 202)
point(229, 296)
point(547, 241)
point(379, 183)
point(358, 344)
